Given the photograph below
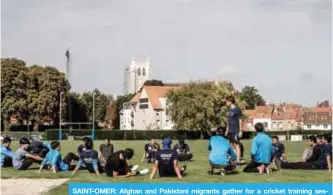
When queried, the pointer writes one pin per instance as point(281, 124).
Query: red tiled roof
point(155, 92)
point(289, 115)
point(263, 110)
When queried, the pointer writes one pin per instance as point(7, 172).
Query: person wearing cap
point(105, 151)
point(116, 165)
point(6, 153)
point(222, 154)
point(150, 150)
point(166, 162)
point(183, 150)
point(261, 152)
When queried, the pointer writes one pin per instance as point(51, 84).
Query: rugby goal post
point(77, 123)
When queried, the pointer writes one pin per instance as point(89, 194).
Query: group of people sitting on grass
point(267, 151)
point(113, 164)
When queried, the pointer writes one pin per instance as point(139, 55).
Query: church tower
point(136, 74)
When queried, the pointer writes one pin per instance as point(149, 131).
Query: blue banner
point(200, 188)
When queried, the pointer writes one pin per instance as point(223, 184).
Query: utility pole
point(68, 59)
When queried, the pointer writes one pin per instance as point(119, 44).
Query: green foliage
point(152, 83)
point(251, 97)
point(199, 105)
point(121, 99)
point(101, 102)
point(30, 93)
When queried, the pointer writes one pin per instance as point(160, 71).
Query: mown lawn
point(196, 172)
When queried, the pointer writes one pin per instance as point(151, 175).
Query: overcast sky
point(283, 47)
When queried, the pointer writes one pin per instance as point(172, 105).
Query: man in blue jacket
point(261, 151)
point(222, 153)
point(6, 153)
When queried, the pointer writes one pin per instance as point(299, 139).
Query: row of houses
point(289, 117)
point(148, 111)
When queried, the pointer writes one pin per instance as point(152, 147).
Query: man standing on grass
point(234, 126)
point(6, 153)
point(22, 159)
point(166, 162)
point(261, 152)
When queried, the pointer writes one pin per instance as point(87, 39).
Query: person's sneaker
point(134, 168)
point(210, 172)
point(222, 172)
point(144, 171)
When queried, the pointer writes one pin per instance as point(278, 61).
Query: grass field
point(196, 172)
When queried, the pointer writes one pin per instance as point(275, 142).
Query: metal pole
point(60, 117)
point(93, 126)
point(28, 130)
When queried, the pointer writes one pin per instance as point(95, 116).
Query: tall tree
point(31, 93)
point(199, 106)
point(251, 97)
point(119, 106)
point(13, 90)
point(80, 108)
point(101, 103)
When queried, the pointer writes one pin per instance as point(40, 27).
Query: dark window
point(143, 100)
point(143, 106)
point(143, 72)
point(139, 72)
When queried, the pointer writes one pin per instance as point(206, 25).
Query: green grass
point(196, 172)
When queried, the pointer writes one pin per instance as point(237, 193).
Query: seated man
point(22, 159)
point(326, 157)
point(54, 160)
point(311, 162)
point(117, 166)
point(166, 162)
point(221, 154)
point(183, 150)
point(81, 147)
point(261, 151)
point(278, 154)
point(39, 148)
point(307, 153)
point(150, 150)
point(105, 150)
point(6, 153)
point(89, 157)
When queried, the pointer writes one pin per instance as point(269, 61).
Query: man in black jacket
point(311, 162)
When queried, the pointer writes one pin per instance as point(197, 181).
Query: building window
point(266, 124)
point(325, 126)
point(323, 117)
point(157, 113)
point(139, 72)
point(280, 125)
point(158, 124)
point(167, 111)
point(143, 106)
point(143, 72)
point(289, 125)
point(309, 126)
point(143, 103)
point(311, 118)
point(167, 122)
point(262, 116)
point(143, 100)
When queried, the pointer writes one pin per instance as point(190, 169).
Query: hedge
point(173, 134)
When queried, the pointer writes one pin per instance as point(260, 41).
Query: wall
point(317, 127)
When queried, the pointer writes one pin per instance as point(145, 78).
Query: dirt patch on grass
point(22, 186)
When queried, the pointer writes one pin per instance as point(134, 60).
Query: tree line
point(32, 95)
